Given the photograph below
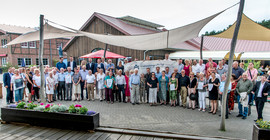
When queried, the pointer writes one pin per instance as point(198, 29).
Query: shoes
point(244, 117)
point(203, 110)
point(181, 105)
point(239, 115)
point(133, 103)
point(226, 117)
point(138, 103)
point(210, 112)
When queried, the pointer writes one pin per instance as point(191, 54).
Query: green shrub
point(63, 108)
point(21, 105)
point(257, 64)
point(72, 109)
point(40, 108)
point(83, 110)
point(31, 105)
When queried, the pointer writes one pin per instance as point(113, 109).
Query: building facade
point(104, 24)
point(27, 51)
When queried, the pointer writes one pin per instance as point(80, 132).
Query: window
point(29, 44)
point(19, 61)
point(4, 43)
point(45, 61)
point(27, 61)
point(4, 61)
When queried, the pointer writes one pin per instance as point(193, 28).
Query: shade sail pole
point(229, 73)
point(201, 48)
point(41, 46)
point(106, 46)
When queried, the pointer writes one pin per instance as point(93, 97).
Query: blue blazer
point(74, 65)
point(96, 66)
point(6, 79)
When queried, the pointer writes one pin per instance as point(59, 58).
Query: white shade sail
point(155, 41)
point(255, 56)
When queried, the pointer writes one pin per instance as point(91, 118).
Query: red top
point(207, 65)
point(186, 68)
point(127, 91)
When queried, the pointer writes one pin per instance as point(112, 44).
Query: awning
point(100, 54)
point(3, 55)
point(255, 56)
point(215, 55)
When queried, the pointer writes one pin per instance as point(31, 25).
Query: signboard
point(152, 64)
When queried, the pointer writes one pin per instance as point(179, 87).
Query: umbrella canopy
point(100, 54)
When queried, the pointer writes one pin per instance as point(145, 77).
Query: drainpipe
point(144, 54)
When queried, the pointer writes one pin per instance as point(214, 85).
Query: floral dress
point(173, 93)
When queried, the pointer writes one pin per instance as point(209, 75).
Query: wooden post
point(106, 46)
point(229, 73)
point(201, 56)
point(51, 61)
point(41, 45)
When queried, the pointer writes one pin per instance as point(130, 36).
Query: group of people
point(192, 79)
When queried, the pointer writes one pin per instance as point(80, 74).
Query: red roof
point(3, 55)
point(118, 24)
point(224, 44)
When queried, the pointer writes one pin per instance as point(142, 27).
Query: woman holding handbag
point(192, 90)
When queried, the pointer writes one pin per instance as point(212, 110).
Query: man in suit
point(261, 91)
point(90, 65)
point(72, 64)
point(7, 79)
point(99, 65)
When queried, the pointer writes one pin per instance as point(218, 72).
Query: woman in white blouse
point(100, 80)
point(50, 87)
point(37, 82)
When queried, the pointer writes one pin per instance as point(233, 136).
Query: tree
point(229, 73)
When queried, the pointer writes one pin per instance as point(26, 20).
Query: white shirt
point(17, 82)
point(201, 68)
point(195, 69)
point(90, 79)
point(105, 65)
point(68, 78)
point(120, 80)
point(37, 80)
point(101, 79)
point(71, 65)
point(260, 90)
point(55, 78)
point(50, 81)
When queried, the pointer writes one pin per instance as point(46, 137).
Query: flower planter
point(260, 134)
point(50, 119)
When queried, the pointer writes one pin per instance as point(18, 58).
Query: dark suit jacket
point(96, 66)
point(6, 79)
point(74, 65)
point(266, 89)
point(90, 68)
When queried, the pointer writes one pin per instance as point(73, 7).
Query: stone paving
point(170, 119)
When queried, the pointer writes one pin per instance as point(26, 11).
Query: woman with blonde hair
point(187, 67)
point(192, 90)
point(50, 87)
point(37, 83)
point(83, 63)
point(17, 85)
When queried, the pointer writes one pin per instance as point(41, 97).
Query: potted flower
point(51, 115)
point(261, 130)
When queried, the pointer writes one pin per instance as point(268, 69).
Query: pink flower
point(47, 106)
point(30, 101)
point(41, 103)
point(78, 105)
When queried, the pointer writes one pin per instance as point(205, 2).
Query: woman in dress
point(192, 89)
point(17, 86)
point(100, 80)
point(213, 92)
point(153, 89)
point(173, 93)
point(37, 82)
point(76, 79)
point(29, 84)
point(50, 87)
point(210, 70)
point(187, 67)
point(202, 86)
point(231, 98)
point(127, 90)
point(163, 86)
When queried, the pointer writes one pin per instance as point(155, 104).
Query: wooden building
point(28, 51)
point(104, 24)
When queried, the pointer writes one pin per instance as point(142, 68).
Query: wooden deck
point(27, 132)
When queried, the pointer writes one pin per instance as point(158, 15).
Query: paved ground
point(172, 119)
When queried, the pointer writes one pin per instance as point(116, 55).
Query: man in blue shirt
point(180, 65)
point(221, 92)
point(158, 73)
point(110, 66)
point(134, 83)
point(237, 71)
point(61, 84)
point(68, 85)
point(61, 64)
point(83, 74)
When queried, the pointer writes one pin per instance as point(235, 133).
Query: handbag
point(192, 96)
point(32, 91)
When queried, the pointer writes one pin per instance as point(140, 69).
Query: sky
point(170, 13)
